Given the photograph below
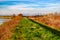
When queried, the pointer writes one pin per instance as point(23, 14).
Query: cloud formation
point(29, 7)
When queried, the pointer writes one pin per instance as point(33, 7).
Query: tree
point(19, 14)
point(13, 16)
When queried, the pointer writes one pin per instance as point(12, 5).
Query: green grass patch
point(29, 30)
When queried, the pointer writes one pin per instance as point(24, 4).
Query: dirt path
point(5, 29)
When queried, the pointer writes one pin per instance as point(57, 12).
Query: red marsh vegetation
point(50, 19)
point(6, 28)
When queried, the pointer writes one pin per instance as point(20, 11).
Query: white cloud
point(26, 10)
point(22, 6)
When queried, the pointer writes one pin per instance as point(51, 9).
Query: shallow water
point(3, 20)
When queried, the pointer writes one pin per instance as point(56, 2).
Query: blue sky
point(29, 7)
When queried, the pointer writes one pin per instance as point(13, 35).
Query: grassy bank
point(29, 30)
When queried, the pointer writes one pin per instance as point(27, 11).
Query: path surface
point(6, 28)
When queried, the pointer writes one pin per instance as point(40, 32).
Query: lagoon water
point(3, 20)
